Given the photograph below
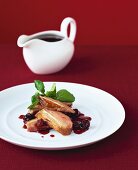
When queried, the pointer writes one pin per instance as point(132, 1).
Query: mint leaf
point(52, 92)
point(32, 106)
point(53, 88)
point(65, 96)
point(35, 100)
point(40, 86)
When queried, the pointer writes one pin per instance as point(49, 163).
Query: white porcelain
point(106, 111)
point(43, 57)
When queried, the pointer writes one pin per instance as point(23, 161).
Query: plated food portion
point(54, 110)
point(106, 111)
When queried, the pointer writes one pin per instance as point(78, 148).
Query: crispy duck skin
point(56, 120)
point(67, 103)
point(56, 105)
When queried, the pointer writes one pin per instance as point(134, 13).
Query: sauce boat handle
point(64, 28)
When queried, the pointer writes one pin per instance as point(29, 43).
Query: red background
point(111, 68)
point(100, 22)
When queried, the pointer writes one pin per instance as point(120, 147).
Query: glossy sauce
point(24, 126)
point(51, 39)
point(21, 117)
point(43, 132)
point(79, 131)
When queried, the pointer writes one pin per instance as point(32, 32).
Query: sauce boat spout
point(23, 40)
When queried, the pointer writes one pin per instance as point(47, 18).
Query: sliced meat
point(35, 109)
point(56, 120)
point(31, 125)
point(55, 105)
point(67, 103)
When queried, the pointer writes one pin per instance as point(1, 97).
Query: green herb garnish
point(40, 86)
point(34, 100)
point(32, 106)
point(52, 92)
point(62, 95)
point(65, 96)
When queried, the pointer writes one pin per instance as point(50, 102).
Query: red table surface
point(111, 68)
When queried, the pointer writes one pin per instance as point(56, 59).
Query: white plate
point(106, 111)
